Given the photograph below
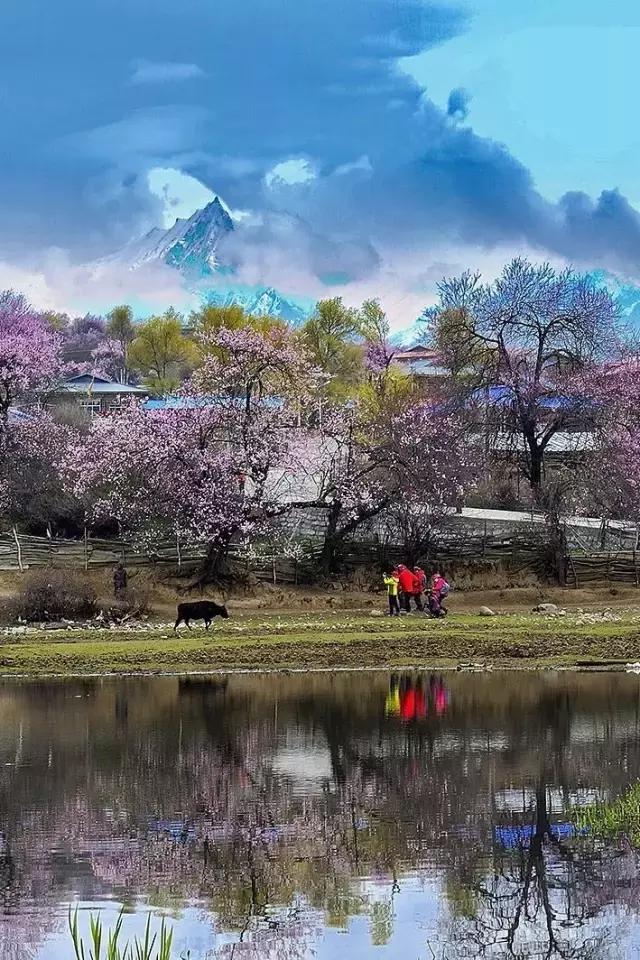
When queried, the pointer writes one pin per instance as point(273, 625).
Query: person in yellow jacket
point(391, 583)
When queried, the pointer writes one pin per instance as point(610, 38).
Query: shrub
point(135, 604)
point(49, 595)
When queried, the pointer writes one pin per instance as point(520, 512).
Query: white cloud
point(55, 283)
point(361, 164)
point(147, 71)
point(292, 171)
point(180, 193)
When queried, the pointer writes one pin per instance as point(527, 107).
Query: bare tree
point(525, 340)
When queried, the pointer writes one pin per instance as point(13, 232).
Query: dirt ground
point(165, 592)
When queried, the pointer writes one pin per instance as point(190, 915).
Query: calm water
point(321, 816)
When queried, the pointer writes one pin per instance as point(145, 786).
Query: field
point(330, 640)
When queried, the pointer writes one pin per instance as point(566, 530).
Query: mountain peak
point(195, 248)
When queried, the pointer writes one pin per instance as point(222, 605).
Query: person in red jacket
point(411, 588)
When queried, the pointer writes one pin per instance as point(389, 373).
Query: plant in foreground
point(610, 820)
point(151, 947)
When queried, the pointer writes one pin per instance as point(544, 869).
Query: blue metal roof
point(192, 403)
point(501, 394)
point(86, 383)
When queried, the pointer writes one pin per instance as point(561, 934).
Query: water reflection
point(414, 698)
point(291, 816)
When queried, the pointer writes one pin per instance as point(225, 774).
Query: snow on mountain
point(626, 296)
point(261, 302)
point(193, 247)
point(190, 245)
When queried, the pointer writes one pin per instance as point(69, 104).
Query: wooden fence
point(620, 567)
point(20, 552)
point(517, 553)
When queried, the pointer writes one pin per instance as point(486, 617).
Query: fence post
point(609, 567)
point(575, 572)
point(178, 550)
point(18, 549)
point(635, 566)
point(86, 549)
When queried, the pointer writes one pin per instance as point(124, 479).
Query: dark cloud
point(276, 80)
point(458, 104)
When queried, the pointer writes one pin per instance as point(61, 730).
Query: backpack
point(444, 590)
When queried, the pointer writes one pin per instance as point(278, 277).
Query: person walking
point(411, 588)
point(441, 588)
point(119, 581)
point(422, 578)
point(392, 584)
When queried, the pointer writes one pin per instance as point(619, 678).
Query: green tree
point(57, 321)
point(373, 322)
point(162, 352)
point(120, 327)
point(211, 318)
point(330, 338)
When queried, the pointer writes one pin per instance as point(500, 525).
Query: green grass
point(153, 946)
point(325, 641)
point(610, 820)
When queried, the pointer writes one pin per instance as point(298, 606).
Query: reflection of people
point(420, 710)
point(392, 703)
point(407, 699)
point(412, 698)
point(392, 584)
point(119, 581)
point(438, 695)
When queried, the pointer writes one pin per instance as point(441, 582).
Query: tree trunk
point(214, 565)
point(536, 461)
point(330, 557)
point(557, 542)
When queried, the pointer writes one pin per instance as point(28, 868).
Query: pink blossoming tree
point(199, 468)
point(29, 353)
point(400, 465)
point(29, 440)
point(526, 340)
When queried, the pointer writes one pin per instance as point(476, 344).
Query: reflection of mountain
point(195, 247)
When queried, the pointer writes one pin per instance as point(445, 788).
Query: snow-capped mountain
point(190, 245)
point(626, 296)
point(262, 302)
point(193, 247)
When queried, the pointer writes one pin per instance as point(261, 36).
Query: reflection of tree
point(532, 899)
point(170, 789)
point(532, 903)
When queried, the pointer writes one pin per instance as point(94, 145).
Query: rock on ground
point(486, 612)
point(546, 608)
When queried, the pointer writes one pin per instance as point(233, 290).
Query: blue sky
point(366, 146)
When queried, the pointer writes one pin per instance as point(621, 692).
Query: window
point(90, 407)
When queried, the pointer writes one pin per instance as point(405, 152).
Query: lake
point(321, 815)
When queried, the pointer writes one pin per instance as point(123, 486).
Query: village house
point(93, 394)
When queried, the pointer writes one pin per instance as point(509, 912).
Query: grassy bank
point(329, 640)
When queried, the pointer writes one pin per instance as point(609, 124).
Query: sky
point(364, 147)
